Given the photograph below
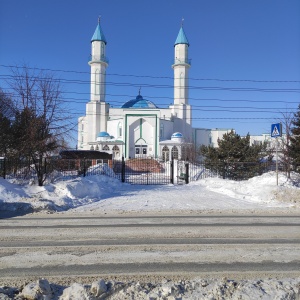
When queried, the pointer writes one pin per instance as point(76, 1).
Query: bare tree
point(42, 121)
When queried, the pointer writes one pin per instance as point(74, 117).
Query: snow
point(104, 193)
point(267, 289)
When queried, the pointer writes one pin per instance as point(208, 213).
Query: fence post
point(123, 170)
point(4, 167)
point(186, 173)
point(84, 170)
point(172, 171)
point(45, 166)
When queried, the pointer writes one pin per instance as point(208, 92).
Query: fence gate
point(181, 172)
point(144, 171)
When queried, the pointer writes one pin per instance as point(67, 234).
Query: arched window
point(102, 50)
point(103, 85)
point(184, 153)
point(174, 152)
point(120, 132)
point(97, 82)
point(177, 54)
point(165, 153)
point(181, 85)
point(105, 148)
point(116, 151)
point(161, 131)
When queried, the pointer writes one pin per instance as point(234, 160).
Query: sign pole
point(276, 131)
point(276, 161)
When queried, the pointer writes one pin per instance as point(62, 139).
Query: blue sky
point(245, 53)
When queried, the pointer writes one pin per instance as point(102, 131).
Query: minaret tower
point(98, 63)
point(181, 108)
point(97, 109)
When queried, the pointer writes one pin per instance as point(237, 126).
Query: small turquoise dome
point(103, 134)
point(139, 102)
point(176, 135)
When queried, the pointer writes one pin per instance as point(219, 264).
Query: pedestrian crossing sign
point(276, 130)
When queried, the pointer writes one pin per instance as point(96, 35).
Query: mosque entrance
point(141, 151)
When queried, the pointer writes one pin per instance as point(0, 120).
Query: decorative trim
point(126, 130)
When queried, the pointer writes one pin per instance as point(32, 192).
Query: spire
point(98, 34)
point(181, 37)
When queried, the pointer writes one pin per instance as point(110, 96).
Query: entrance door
point(141, 150)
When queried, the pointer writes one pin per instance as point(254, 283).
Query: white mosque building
point(139, 128)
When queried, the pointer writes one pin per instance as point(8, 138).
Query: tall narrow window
point(181, 85)
point(177, 55)
point(165, 153)
point(97, 82)
point(120, 129)
point(103, 86)
point(161, 131)
point(102, 50)
point(174, 152)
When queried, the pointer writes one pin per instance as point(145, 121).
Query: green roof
point(181, 38)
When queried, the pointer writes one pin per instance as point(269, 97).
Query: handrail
point(178, 61)
point(96, 58)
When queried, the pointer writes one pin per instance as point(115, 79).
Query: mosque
point(139, 128)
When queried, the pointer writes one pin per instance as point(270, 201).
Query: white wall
point(208, 137)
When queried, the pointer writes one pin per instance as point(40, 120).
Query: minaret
point(98, 63)
point(181, 68)
point(97, 109)
point(181, 109)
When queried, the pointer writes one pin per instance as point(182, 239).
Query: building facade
point(139, 128)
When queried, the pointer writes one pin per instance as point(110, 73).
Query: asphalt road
point(73, 246)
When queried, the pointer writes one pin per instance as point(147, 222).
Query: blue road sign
point(276, 130)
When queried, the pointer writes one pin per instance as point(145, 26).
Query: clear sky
point(245, 53)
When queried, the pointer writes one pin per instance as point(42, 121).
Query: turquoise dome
point(139, 102)
point(103, 134)
point(177, 135)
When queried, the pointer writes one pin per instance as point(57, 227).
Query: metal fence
point(144, 171)
point(52, 169)
point(134, 171)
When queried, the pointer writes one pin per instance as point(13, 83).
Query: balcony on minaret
point(98, 58)
point(182, 61)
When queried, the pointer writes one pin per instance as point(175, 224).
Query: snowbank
point(104, 193)
point(183, 289)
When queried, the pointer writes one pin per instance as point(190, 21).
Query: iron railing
point(177, 61)
point(134, 171)
point(99, 58)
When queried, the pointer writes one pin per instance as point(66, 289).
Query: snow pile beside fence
point(100, 169)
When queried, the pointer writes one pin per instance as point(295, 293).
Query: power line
point(155, 77)
point(170, 98)
point(193, 118)
point(195, 107)
point(164, 86)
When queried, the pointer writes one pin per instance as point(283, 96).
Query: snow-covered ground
point(102, 193)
